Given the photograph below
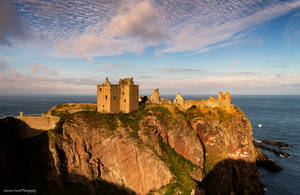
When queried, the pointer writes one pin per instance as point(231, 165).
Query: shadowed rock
point(278, 153)
point(279, 144)
point(232, 177)
point(264, 161)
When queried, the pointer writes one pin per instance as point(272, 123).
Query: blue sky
point(192, 47)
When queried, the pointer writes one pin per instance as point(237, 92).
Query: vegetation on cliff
point(157, 149)
point(166, 120)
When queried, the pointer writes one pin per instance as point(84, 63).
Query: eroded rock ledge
point(158, 149)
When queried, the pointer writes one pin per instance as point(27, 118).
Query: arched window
point(106, 97)
point(124, 100)
point(100, 89)
point(114, 97)
point(123, 93)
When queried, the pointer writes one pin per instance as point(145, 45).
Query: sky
point(53, 47)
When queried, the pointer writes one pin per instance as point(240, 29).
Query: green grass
point(132, 121)
point(60, 114)
point(161, 112)
point(180, 168)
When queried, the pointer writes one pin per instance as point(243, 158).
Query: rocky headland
point(157, 149)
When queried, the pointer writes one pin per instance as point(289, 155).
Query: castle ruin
point(156, 99)
point(123, 97)
point(212, 102)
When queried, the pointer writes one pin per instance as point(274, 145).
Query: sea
point(279, 117)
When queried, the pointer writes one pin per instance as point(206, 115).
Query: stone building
point(156, 99)
point(212, 102)
point(122, 97)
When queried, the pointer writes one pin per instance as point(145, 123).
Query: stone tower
point(117, 98)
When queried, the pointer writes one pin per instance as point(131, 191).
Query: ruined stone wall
point(212, 102)
point(105, 96)
point(179, 100)
point(40, 122)
point(102, 96)
point(134, 97)
point(189, 103)
point(114, 99)
point(156, 99)
point(124, 98)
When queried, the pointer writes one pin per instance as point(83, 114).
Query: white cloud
point(193, 37)
point(35, 69)
point(235, 83)
point(172, 69)
point(13, 82)
point(137, 19)
point(235, 62)
point(132, 29)
point(86, 28)
point(10, 25)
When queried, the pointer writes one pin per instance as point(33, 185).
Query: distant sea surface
point(279, 116)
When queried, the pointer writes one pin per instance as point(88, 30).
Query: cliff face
point(156, 149)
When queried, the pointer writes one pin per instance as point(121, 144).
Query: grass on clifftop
point(180, 168)
point(218, 113)
point(72, 108)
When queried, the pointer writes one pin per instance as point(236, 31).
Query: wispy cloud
point(234, 63)
point(10, 25)
point(235, 83)
point(13, 82)
point(171, 69)
point(292, 28)
point(4, 68)
point(146, 77)
point(137, 19)
point(86, 28)
point(192, 37)
point(279, 66)
point(35, 69)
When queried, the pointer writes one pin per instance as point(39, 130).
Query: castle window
point(99, 89)
point(123, 93)
point(124, 100)
point(103, 106)
point(114, 97)
point(106, 97)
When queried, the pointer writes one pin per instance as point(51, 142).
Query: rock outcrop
point(158, 149)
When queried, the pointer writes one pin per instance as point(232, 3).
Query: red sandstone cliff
point(156, 150)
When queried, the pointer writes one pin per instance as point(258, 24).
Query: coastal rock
point(117, 159)
point(276, 152)
point(180, 137)
point(157, 149)
point(264, 161)
point(279, 144)
point(229, 154)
